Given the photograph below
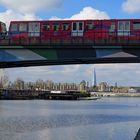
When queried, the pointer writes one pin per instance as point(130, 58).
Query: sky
point(123, 74)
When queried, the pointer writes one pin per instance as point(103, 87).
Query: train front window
point(136, 25)
point(23, 27)
point(65, 26)
point(46, 26)
point(55, 26)
point(14, 27)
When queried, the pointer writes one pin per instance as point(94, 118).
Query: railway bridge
point(37, 52)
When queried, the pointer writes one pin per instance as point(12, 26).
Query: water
point(103, 119)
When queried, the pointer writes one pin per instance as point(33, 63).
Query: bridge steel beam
point(24, 56)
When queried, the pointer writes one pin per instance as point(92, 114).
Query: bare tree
point(19, 84)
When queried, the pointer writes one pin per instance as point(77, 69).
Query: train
point(112, 30)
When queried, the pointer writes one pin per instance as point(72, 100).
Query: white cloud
point(90, 13)
point(123, 74)
point(55, 18)
point(26, 9)
point(9, 15)
point(64, 73)
point(87, 13)
point(70, 69)
point(131, 6)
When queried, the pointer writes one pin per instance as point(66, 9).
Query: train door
point(77, 28)
point(34, 29)
point(123, 28)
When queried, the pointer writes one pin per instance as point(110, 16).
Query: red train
point(113, 29)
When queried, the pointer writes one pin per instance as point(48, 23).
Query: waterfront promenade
point(112, 94)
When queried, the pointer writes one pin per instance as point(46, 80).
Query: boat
point(89, 98)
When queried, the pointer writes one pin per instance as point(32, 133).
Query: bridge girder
point(25, 56)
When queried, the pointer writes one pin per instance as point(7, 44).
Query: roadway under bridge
point(24, 55)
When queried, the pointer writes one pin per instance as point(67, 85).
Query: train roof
point(71, 20)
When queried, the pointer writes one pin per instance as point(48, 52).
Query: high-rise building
point(94, 82)
point(116, 85)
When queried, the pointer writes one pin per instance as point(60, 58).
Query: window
point(90, 25)
point(55, 26)
point(65, 26)
point(121, 26)
point(136, 25)
point(124, 26)
point(74, 26)
point(34, 27)
point(14, 27)
point(23, 27)
point(81, 26)
point(112, 27)
point(46, 26)
point(127, 25)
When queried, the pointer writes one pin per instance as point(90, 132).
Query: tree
point(19, 84)
point(40, 84)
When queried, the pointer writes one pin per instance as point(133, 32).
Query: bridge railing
point(124, 38)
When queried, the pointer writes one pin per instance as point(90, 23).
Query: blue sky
point(113, 8)
point(123, 74)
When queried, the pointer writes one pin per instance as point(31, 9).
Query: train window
point(90, 25)
point(55, 26)
point(127, 25)
point(112, 27)
point(34, 27)
point(23, 27)
point(80, 25)
point(121, 26)
point(46, 26)
point(65, 26)
point(14, 27)
point(74, 26)
point(124, 25)
point(136, 25)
